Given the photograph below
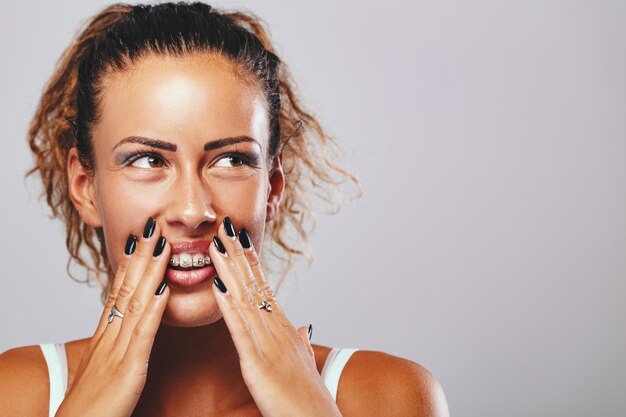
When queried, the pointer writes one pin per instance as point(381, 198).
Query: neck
point(196, 361)
point(210, 344)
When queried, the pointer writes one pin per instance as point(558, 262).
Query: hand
point(277, 361)
point(113, 369)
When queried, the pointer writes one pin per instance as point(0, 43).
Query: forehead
point(198, 97)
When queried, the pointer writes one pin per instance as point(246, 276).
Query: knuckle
point(134, 307)
point(122, 267)
point(252, 283)
point(126, 290)
point(268, 291)
point(248, 300)
point(120, 372)
point(253, 259)
point(111, 298)
point(254, 288)
point(142, 333)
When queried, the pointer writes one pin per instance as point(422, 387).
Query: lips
point(190, 278)
point(185, 278)
point(201, 246)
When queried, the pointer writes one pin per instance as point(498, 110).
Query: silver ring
point(115, 313)
point(265, 305)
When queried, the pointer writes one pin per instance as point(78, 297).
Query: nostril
point(189, 204)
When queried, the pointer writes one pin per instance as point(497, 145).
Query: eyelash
point(137, 156)
point(245, 158)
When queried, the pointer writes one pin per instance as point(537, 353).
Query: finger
point(137, 265)
point(228, 235)
point(241, 331)
point(131, 244)
point(265, 289)
point(154, 275)
point(129, 249)
point(303, 333)
point(238, 292)
point(142, 337)
point(230, 274)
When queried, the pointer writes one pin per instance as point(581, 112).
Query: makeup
point(228, 227)
point(160, 245)
point(219, 284)
point(219, 245)
point(244, 239)
point(148, 229)
point(161, 288)
point(131, 244)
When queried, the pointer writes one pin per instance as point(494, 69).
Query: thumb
point(305, 333)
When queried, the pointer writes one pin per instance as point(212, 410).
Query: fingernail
point(158, 249)
point(149, 228)
point(131, 244)
point(219, 245)
point(244, 239)
point(161, 288)
point(219, 284)
point(228, 226)
point(310, 331)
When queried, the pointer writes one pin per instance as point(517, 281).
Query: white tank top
point(56, 359)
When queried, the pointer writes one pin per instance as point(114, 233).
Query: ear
point(82, 190)
point(275, 188)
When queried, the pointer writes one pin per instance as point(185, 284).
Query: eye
point(148, 161)
point(229, 161)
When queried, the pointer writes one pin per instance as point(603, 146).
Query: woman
point(171, 143)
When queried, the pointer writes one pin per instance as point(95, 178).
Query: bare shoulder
point(376, 383)
point(24, 381)
point(24, 387)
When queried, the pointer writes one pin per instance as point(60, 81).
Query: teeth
point(188, 260)
point(198, 259)
point(185, 260)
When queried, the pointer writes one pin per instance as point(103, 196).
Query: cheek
point(125, 207)
point(244, 202)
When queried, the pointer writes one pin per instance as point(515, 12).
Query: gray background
point(489, 244)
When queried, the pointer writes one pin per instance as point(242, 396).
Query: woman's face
point(205, 136)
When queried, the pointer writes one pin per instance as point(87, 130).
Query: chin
point(191, 309)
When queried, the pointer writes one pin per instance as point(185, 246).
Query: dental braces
point(186, 263)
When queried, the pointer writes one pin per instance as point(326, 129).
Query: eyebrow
point(153, 143)
point(168, 146)
point(220, 143)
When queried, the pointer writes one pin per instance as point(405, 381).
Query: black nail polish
point(219, 245)
point(310, 331)
point(244, 239)
point(158, 249)
point(149, 228)
point(219, 284)
point(131, 244)
point(161, 288)
point(228, 227)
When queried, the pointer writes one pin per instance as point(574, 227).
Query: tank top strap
point(335, 362)
point(56, 359)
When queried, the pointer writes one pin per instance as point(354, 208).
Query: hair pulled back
point(122, 34)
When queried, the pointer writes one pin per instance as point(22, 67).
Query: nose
point(190, 205)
